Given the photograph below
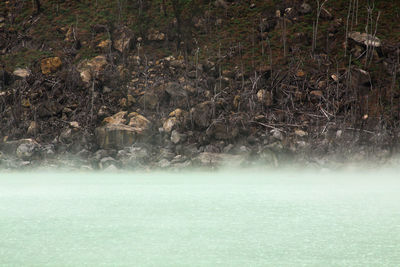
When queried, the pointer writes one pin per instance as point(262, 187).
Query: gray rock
point(47, 151)
point(365, 39)
point(111, 168)
point(107, 162)
point(277, 134)
point(177, 137)
point(166, 153)
point(163, 163)
point(218, 159)
point(11, 146)
point(27, 150)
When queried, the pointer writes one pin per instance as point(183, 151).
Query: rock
point(203, 113)
point(89, 69)
point(228, 148)
point(107, 162)
point(177, 118)
point(300, 73)
point(123, 39)
point(33, 128)
point(163, 163)
point(177, 63)
point(365, 39)
point(25, 103)
point(47, 151)
point(103, 111)
point(166, 153)
point(175, 90)
point(22, 73)
point(317, 93)
point(66, 135)
point(84, 154)
point(222, 131)
point(264, 97)
point(300, 133)
point(149, 100)
point(139, 122)
point(277, 134)
point(117, 136)
point(321, 85)
point(177, 137)
point(49, 108)
point(139, 154)
point(169, 124)
point(218, 159)
point(305, 8)
point(105, 44)
point(118, 118)
point(360, 81)
point(25, 151)
point(69, 35)
point(74, 124)
point(49, 65)
point(155, 35)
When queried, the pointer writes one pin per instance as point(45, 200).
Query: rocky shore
point(129, 107)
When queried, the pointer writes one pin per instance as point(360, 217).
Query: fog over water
point(255, 217)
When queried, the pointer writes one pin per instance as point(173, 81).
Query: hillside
point(193, 79)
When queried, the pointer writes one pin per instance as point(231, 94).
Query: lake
point(239, 218)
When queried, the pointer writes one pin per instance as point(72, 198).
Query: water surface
point(253, 218)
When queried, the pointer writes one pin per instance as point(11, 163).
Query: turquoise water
point(253, 218)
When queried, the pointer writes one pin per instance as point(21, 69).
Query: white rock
point(22, 73)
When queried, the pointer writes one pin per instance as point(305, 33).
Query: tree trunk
point(38, 7)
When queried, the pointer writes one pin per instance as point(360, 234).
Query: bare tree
point(38, 6)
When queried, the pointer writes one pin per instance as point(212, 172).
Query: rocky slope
point(115, 98)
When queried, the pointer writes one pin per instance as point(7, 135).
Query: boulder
point(27, 150)
point(175, 90)
point(89, 69)
point(203, 113)
point(118, 118)
point(177, 118)
point(170, 124)
point(11, 146)
point(177, 137)
point(49, 65)
point(116, 136)
point(123, 39)
point(365, 39)
point(149, 100)
point(22, 73)
point(139, 122)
